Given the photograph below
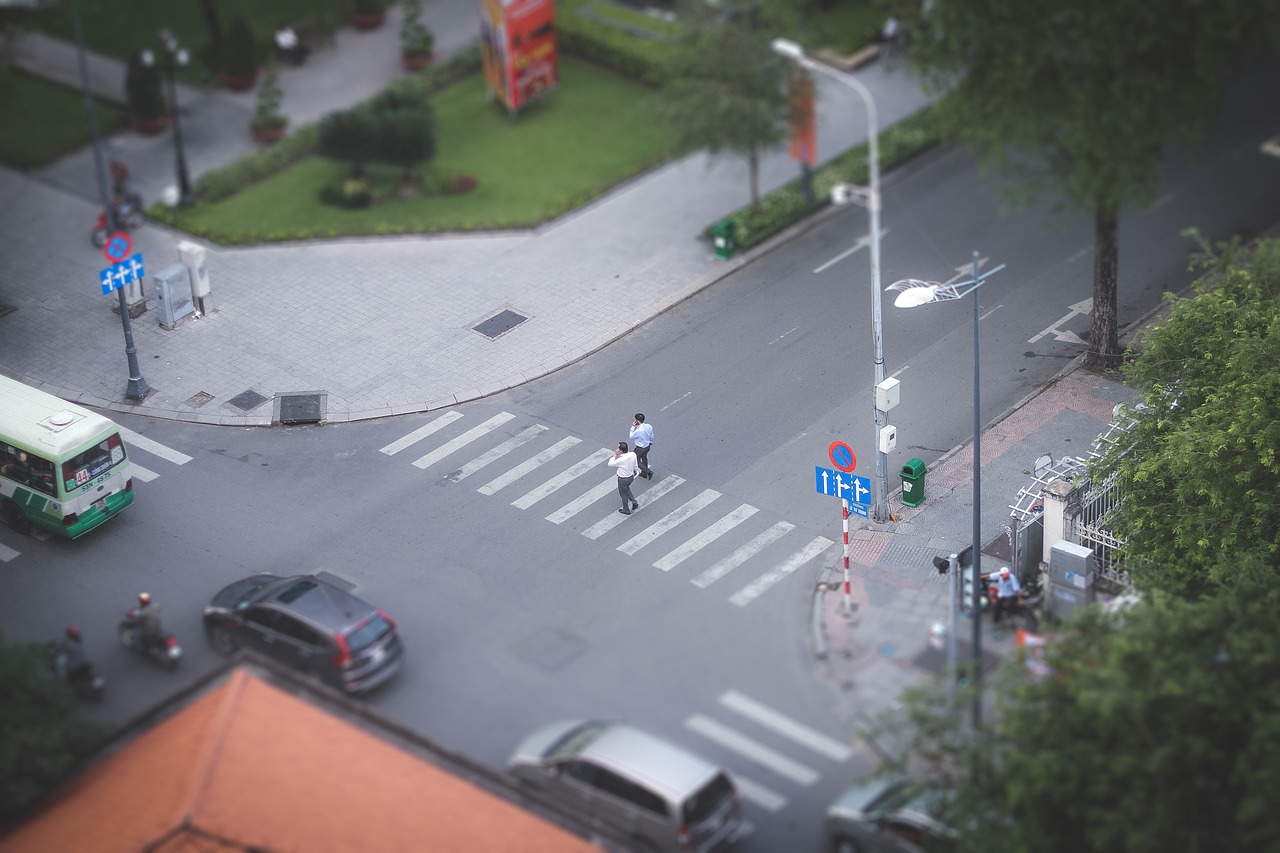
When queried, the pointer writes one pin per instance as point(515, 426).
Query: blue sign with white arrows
point(841, 484)
point(118, 275)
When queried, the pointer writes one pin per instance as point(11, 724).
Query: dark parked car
point(309, 625)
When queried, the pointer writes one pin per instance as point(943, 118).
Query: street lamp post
point(137, 389)
point(912, 293)
point(175, 57)
point(793, 51)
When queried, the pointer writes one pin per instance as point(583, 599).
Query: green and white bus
point(62, 467)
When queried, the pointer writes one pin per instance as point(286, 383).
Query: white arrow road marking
point(785, 726)
point(706, 537)
point(740, 556)
point(421, 433)
point(528, 465)
point(752, 750)
point(463, 440)
point(753, 590)
point(154, 447)
point(1084, 306)
point(861, 243)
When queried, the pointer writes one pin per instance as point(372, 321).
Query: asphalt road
point(519, 608)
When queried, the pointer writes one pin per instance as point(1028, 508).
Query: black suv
point(308, 625)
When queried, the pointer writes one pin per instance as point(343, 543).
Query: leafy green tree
point(239, 54)
point(43, 732)
point(727, 92)
point(406, 138)
point(1201, 480)
point(1081, 99)
point(144, 89)
point(350, 137)
point(1157, 729)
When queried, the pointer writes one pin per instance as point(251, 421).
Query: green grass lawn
point(595, 130)
point(46, 120)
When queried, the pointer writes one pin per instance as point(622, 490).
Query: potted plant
point(238, 64)
point(416, 41)
point(144, 92)
point(367, 14)
point(269, 123)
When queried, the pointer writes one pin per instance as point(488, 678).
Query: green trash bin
point(723, 237)
point(913, 483)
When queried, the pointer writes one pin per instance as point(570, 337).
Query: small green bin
point(913, 483)
point(723, 237)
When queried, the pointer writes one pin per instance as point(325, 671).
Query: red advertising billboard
point(518, 46)
point(804, 143)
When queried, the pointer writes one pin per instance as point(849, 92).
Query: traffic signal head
point(966, 557)
point(942, 564)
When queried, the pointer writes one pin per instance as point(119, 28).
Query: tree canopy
point(1081, 99)
point(1202, 477)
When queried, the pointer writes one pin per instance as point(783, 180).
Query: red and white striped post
point(848, 598)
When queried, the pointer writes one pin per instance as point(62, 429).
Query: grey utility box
point(192, 256)
point(173, 292)
point(1071, 578)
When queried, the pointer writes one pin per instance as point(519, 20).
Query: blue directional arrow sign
point(841, 484)
point(118, 275)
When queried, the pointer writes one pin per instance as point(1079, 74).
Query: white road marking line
point(650, 495)
point(706, 537)
point(759, 794)
point(740, 556)
point(154, 447)
point(668, 521)
point(7, 554)
point(562, 479)
point(463, 440)
point(989, 313)
point(895, 374)
point(420, 433)
point(146, 475)
point(752, 750)
point(525, 435)
point(676, 400)
point(862, 242)
point(1084, 306)
point(583, 501)
point(528, 465)
point(753, 590)
point(785, 726)
point(783, 335)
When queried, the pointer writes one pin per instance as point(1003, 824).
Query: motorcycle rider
point(70, 659)
point(144, 621)
point(1008, 594)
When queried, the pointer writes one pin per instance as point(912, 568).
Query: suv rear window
point(704, 803)
point(367, 634)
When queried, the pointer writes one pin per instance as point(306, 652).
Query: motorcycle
point(128, 217)
point(83, 678)
point(163, 648)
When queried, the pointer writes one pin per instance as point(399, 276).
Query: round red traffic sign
point(117, 247)
point(841, 456)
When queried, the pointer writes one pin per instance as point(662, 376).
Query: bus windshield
point(92, 461)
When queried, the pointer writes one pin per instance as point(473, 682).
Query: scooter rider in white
point(144, 622)
point(1008, 595)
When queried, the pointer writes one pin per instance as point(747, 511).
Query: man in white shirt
point(642, 440)
point(1008, 593)
point(625, 461)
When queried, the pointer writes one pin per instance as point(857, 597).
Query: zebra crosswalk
point(552, 474)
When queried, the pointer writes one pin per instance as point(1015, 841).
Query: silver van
point(631, 785)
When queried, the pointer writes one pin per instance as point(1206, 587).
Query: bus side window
point(42, 475)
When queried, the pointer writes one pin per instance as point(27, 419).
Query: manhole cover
point(304, 407)
point(550, 649)
point(999, 548)
point(500, 323)
point(247, 400)
point(200, 399)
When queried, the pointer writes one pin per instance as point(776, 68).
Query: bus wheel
point(15, 517)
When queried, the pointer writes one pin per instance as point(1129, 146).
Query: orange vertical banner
point(804, 142)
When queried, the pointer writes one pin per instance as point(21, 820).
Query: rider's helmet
point(73, 633)
point(144, 598)
point(1004, 572)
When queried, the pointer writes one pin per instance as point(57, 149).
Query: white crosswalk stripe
point(146, 475)
point(753, 590)
point(705, 538)
point(523, 437)
point(463, 440)
point(785, 726)
point(155, 448)
point(760, 795)
point(668, 521)
point(421, 433)
point(528, 465)
point(740, 556)
point(562, 479)
point(752, 750)
point(650, 495)
point(583, 501)
point(7, 553)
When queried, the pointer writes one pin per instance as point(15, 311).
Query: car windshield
point(576, 739)
point(706, 802)
point(368, 633)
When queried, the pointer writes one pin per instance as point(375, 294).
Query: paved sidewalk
point(381, 326)
point(883, 646)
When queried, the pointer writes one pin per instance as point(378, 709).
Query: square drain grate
point(247, 400)
point(500, 324)
point(303, 407)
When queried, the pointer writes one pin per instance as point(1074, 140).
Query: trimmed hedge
point(786, 205)
point(644, 60)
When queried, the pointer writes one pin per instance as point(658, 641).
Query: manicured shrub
point(143, 88)
point(239, 51)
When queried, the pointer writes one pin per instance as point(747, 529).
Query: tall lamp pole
point(793, 51)
point(175, 57)
point(913, 293)
point(137, 389)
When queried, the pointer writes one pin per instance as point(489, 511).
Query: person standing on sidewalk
point(642, 438)
point(625, 461)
